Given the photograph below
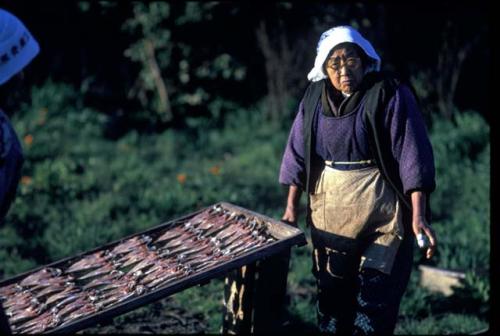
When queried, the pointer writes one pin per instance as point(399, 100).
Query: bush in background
point(80, 190)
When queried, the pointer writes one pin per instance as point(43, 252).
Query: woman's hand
point(290, 216)
point(421, 227)
point(292, 204)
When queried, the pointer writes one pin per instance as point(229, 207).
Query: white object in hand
point(421, 240)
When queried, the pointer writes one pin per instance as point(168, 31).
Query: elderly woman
point(359, 147)
point(17, 49)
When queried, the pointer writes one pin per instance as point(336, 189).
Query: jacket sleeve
point(411, 146)
point(6, 134)
point(292, 171)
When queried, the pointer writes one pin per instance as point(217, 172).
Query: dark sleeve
point(292, 171)
point(5, 136)
point(411, 146)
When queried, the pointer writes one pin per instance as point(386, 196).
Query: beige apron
point(359, 204)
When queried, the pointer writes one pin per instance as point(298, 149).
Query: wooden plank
point(440, 280)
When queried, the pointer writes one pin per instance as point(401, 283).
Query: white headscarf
point(17, 46)
point(333, 37)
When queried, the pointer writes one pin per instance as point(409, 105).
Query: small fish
point(94, 260)
point(9, 290)
point(84, 310)
point(53, 282)
point(105, 269)
point(130, 244)
point(24, 296)
point(161, 280)
point(68, 291)
point(170, 234)
point(68, 300)
point(39, 324)
point(34, 278)
point(67, 309)
point(26, 314)
point(104, 281)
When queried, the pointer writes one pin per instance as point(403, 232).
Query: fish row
point(52, 296)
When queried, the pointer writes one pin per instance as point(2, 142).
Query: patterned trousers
point(354, 301)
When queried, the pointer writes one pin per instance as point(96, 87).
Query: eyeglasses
point(352, 63)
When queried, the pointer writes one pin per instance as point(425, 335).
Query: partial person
point(17, 50)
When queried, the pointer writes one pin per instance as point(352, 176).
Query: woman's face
point(345, 69)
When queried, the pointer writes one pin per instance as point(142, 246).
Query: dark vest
point(378, 87)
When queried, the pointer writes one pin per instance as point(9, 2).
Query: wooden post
point(270, 293)
point(238, 301)
point(254, 296)
point(4, 323)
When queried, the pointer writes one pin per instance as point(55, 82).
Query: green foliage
point(449, 324)
point(176, 72)
point(80, 190)
point(461, 201)
point(152, 50)
point(461, 208)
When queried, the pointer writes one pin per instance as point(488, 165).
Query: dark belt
point(350, 165)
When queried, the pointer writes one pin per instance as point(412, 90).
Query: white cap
point(17, 46)
point(333, 37)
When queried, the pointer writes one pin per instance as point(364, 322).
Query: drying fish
point(230, 240)
point(178, 242)
point(250, 246)
point(125, 283)
point(229, 231)
point(165, 265)
point(91, 261)
point(39, 324)
point(149, 261)
point(219, 225)
point(196, 265)
point(35, 278)
point(59, 281)
point(130, 244)
point(134, 256)
point(9, 290)
point(176, 250)
point(68, 300)
point(63, 312)
point(132, 259)
point(24, 296)
point(119, 295)
point(113, 300)
point(170, 234)
point(26, 314)
point(50, 290)
point(207, 249)
point(161, 273)
point(104, 269)
point(61, 295)
point(241, 240)
point(104, 280)
point(205, 215)
point(20, 306)
point(161, 276)
point(84, 310)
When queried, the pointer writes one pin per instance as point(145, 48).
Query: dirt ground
point(162, 317)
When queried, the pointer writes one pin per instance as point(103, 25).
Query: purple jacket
point(345, 138)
